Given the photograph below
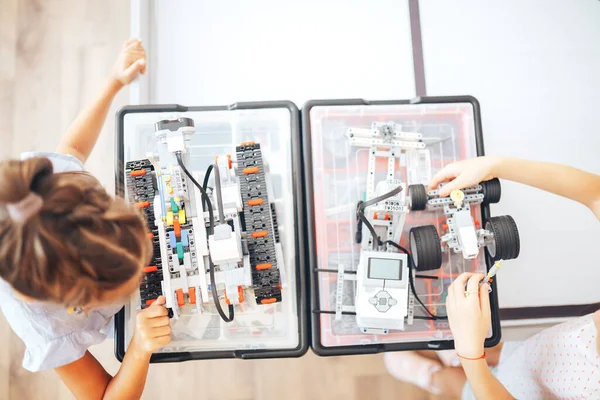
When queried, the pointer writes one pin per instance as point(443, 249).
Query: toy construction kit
point(269, 223)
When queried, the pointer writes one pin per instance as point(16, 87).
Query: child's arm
point(568, 182)
point(483, 383)
point(469, 316)
point(87, 379)
point(81, 136)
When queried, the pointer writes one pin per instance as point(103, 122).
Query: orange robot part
point(177, 227)
point(192, 295)
point(180, 298)
point(139, 172)
point(250, 170)
point(241, 294)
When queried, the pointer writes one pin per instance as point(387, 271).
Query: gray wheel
point(492, 191)
point(506, 244)
point(425, 248)
point(418, 197)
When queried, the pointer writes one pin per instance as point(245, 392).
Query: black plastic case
point(299, 218)
point(311, 255)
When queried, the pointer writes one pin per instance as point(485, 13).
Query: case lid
point(260, 331)
point(337, 172)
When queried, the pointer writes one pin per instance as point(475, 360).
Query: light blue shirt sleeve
point(52, 336)
point(60, 162)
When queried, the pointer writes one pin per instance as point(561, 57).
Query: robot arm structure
point(383, 298)
point(204, 256)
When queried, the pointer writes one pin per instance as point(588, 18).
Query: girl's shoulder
point(52, 336)
point(60, 162)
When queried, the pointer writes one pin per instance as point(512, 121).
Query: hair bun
point(19, 178)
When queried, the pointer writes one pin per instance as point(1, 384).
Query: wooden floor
point(53, 55)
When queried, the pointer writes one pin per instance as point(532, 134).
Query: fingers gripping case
point(220, 188)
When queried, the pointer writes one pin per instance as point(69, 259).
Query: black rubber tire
point(507, 243)
point(492, 191)
point(418, 197)
point(425, 248)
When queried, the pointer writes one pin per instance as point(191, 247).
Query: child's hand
point(465, 173)
point(152, 327)
point(130, 62)
point(469, 315)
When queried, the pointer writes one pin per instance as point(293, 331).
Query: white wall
point(219, 52)
point(535, 67)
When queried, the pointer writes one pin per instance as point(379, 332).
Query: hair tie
point(21, 211)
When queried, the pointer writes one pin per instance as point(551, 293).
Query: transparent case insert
point(217, 133)
point(340, 172)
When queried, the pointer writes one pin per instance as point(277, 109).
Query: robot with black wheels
point(500, 236)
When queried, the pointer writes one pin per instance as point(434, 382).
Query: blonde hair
point(81, 243)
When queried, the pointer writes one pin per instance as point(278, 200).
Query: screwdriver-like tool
point(491, 273)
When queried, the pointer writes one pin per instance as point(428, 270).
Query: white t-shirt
point(561, 362)
point(52, 336)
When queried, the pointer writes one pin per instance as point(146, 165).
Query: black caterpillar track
point(275, 224)
point(260, 223)
point(141, 188)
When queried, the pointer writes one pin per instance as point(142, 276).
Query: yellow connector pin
point(457, 196)
point(170, 218)
point(182, 216)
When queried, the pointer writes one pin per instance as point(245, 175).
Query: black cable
point(333, 312)
point(334, 271)
point(360, 212)
point(211, 224)
point(424, 317)
point(377, 199)
point(205, 184)
point(365, 221)
point(359, 224)
point(412, 282)
point(219, 197)
point(426, 277)
point(204, 195)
